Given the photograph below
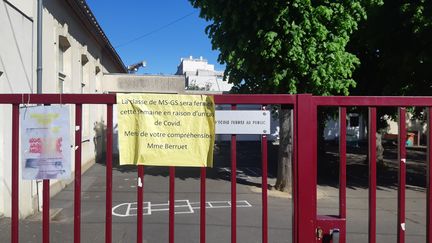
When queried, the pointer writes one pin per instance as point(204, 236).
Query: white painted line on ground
point(180, 207)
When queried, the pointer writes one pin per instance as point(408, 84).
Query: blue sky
point(161, 46)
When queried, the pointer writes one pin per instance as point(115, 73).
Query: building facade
point(75, 55)
point(202, 76)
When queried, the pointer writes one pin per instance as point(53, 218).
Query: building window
point(98, 87)
point(84, 74)
point(60, 59)
point(62, 53)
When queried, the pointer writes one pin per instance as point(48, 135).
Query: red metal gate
point(323, 228)
point(307, 225)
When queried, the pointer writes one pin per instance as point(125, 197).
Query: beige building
point(76, 54)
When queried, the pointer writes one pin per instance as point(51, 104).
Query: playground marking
point(180, 207)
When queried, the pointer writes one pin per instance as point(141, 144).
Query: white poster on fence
point(45, 142)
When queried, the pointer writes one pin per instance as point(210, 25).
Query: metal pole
point(39, 47)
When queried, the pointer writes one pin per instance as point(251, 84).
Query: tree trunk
point(379, 149)
point(284, 172)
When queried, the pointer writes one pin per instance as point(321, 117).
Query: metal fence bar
point(264, 187)
point(229, 99)
point(402, 176)
point(15, 174)
point(373, 101)
point(77, 188)
point(301, 192)
point(46, 211)
point(372, 174)
point(140, 192)
point(203, 206)
point(342, 162)
point(305, 208)
point(429, 177)
point(294, 171)
point(108, 173)
point(55, 98)
point(233, 185)
point(171, 203)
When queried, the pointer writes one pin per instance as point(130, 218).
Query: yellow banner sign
point(166, 130)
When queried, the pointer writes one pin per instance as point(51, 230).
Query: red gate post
point(108, 173)
point(45, 211)
point(140, 192)
point(77, 187)
point(342, 162)
point(203, 205)
point(429, 177)
point(305, 203)
point(15, 174)
point(372, 174)
point(402, 177)
point(264, 186)
point(233, 185)
point(171, 203)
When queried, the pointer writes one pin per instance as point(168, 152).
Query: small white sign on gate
point(242, 122)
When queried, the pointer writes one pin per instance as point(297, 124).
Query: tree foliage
point(281, 46)
point(284, 46)
point(395, 49)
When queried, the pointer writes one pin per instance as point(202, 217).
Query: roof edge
point(84, 12)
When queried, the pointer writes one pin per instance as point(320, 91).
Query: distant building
point(356, 128)
point(202, 76)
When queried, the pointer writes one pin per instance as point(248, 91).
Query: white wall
point(355, 132)
point(18, 64)
point(209, 83)
point(174, 84)
point(16, 60)
point(192, 65)
point(27, 7)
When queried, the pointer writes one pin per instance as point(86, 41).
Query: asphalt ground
point(218, 213)
point(155, 224)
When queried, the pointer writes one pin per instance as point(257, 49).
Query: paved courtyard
point(218, 207)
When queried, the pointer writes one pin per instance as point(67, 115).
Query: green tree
point(395, 49)
point(287, 47)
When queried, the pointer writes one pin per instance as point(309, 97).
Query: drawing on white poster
point(45, 139)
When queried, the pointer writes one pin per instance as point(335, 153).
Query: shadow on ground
point(387, 171)
point(249, 166)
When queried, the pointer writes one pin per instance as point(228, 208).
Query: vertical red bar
point(295, 220)
point(108, 173)
point(45, 211)
point(77, 193)
point(15, 174)
point(342, 162)
point(402, 178)
point(305, 207)
point(203, 206)
point(140, 192)
point(233, 185)
point(264, 187)
point(372, 174)
point(171, 203)
point(429, 177)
